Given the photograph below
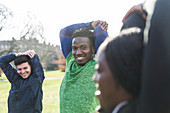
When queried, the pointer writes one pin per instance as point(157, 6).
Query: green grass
point(51, 74)
point(4, 91)
point(50, 92)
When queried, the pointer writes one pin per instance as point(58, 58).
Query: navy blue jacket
point(25, 95)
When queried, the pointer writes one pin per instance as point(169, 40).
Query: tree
point(32, 28)
point(5, 15)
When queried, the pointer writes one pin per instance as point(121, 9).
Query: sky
point(57, 14)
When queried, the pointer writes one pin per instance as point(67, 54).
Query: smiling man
point(79, 44)
point(23, 69)
point(83, 46)
point(26, 81)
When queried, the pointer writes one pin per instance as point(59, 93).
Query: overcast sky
point(56, 14)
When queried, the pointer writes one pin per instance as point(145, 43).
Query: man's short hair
point(22, 59)
point(84, 32)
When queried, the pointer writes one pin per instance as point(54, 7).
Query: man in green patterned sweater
point(79, 43)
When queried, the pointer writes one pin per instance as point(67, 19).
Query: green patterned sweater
point(77, 88)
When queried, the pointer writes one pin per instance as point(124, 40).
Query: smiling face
point(82, 50)
point(24, 70)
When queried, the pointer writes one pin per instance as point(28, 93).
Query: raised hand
point(102, 24)
point(30, 53)
point(136, 8)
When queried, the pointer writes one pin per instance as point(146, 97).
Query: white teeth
point(97, 93)
point(24, 75)
point(79, 58)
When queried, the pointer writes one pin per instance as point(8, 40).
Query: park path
point(54, 78)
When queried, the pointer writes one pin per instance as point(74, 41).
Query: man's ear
point(93, 50)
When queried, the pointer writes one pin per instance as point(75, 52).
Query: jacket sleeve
point(37, 68)
point(38, 104)
point(37, 90)
point(7, 68)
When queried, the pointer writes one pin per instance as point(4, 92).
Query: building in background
point(51, 56)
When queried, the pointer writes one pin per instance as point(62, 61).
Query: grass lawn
point(50, 92)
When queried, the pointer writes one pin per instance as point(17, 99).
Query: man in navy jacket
point(26, 80)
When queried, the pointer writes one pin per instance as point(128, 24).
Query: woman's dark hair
point(84, 32)
point(124, 56)
point(22, 59)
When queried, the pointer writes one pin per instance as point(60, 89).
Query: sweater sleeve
point(100, 35)
point(7, 68)
point(37, 68)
